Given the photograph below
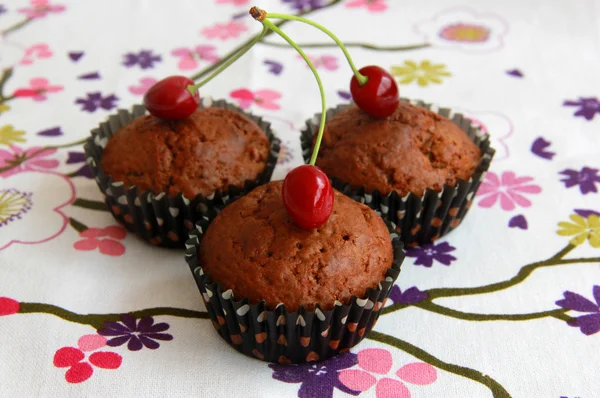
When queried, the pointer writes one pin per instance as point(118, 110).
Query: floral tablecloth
point(506, 305)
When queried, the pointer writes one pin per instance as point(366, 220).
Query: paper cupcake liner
point(157, 218)
point(289, 337)
point(417, 219)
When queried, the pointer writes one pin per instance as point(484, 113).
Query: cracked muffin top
point(254, 248)
point(208, 151)
point(410, 151)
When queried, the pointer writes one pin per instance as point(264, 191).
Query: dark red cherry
point(169, 99)
point(379, 95)
point(308, 196)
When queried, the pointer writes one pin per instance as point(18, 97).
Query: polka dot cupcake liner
point(278, 335)
point(157, 218)
point(417, 219)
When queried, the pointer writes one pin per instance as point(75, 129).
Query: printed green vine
point(90, 204)
point(524, 272)
point(97, 320)
point(467, 316)
point(351, 44)
point(496, 388)
point(16, 26)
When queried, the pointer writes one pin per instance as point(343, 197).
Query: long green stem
point(244, 50)
point(217, 64)
point(275, 29)
point(496, 388)
point(361, 78)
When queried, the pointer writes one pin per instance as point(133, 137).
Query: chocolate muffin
point(206, 152)
point(419, 168)
point(410, 151)
point(158, 175)
point(284, 294)
point(254, 248)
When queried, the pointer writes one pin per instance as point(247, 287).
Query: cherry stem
point(193, 88)
point(362, 79)
point(270, 25)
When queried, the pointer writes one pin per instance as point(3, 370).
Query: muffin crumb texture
point(410, 151)
point(254, 248)
point(208, 151)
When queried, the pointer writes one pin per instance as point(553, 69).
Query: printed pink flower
point(509, 189)
point(9, 306)
point(41, 8)
point(107, 246)
point(189, 57)
point(40, 51)
point(33, 158)
point(37, 89)
point(143, 86)
point(263, 98)
point(73, 358)
point(371, 5)
point(224, 31)
point(234, 2)
point(379, 362)
point(328, 62)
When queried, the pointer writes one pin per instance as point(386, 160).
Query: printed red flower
point(38, 87)
point(8, 306)
point(109, 247)
point(73, 358)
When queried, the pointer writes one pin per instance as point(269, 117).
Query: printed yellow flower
point(8, 135)
point(424, 73)
point(583, 228)
point(4, 108)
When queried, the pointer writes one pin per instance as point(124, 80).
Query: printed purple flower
point(274, 67)
point(145, 59)
point(344, 95)
point(426, 254)
point(303, 5)
point(585, 213)
point(96, 100)
point(84, 171)
point(75, 157)
point(412, 295)
point(588, 107)
point(318, 379)
point(588, 324)
point(586, 179)
point(540, 148)
point(136, 333)
point(2, 9)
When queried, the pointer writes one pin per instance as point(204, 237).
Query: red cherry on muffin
point(170, 98)
point(379, 95)
point(308, 196)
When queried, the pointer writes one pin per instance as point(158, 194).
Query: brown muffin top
point(208, 151)
point(255, 249)
point(410, 151)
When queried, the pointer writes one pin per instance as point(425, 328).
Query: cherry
point(308, 196)
point(169, 99)
point(379, 95)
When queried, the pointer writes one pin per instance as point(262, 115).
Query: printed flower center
point(465, 33)
point(13, 204)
